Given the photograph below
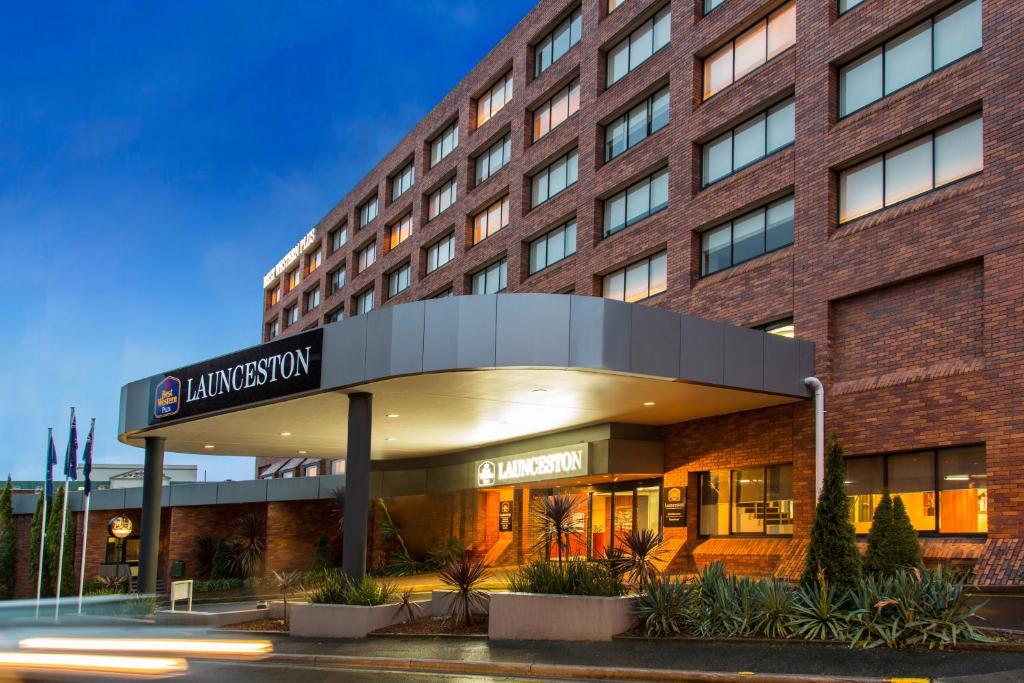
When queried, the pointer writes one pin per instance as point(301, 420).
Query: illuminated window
point(559, 175)
point(637, 281)
point(494, 158)
point(492, 279)
point(314, 260)
point(944, 491)
point(783, 327)
point(441, 198)
point(273, 296)
point(490, 220)
point(761, 43)
point(635, 203)
point(310, 471)
point(444, 144)
point(294, 278)
point(402, 181)
point(560, 107)
point(554, 45)
point(400, 231)
point(927, 47)
point(337, 467)
point(747, 501)
point(639, 46)
point(494, 100)
point(553, 247)
point(761, 231)
point(614, 5)
point(633, 127)
point(919, 166)
point(440, 252)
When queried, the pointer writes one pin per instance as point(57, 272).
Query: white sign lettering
point(554, 463)
point(291, 257)
point(255, 373)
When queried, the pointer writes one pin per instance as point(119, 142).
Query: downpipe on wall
point(819, 433)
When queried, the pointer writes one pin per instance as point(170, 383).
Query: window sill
point(744, 167)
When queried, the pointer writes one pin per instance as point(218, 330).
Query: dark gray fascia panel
point(407, 329)
point(702, 350)
point(608, 350)
point(344, 359)
point(293, 488)
point(744, 358)
point(200, 493)
point(242, 491)
point(378, 343)
point(440, 334)
point(532, 330)
point(477, 326)
point(781, 365)
point(654, 337)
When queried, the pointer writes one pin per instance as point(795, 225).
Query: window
point(937, 159)
point(637, 281)
point(636, 202)
point(440, 252)
point(441, 198)
point(639, 45)
point(312, 298)
point(337, 467)
point(291, 315)
point(367, 212)
point(444, 293)
point(339, 238)
point(294, 278)
point(494, 100)
point(749, 142)
point(553, 247)
point(741, 239)
point(554, 45)
point(314, 260)
point(614, 5)
point(560, 107)
point(273, 296)
point(444, 143)
point(631, 128)
point(337, 315)
point(400, 231)
point(927, 47)
point(562, 173)
point(847, 5)
point(398, 280)
point(273, 329)
point(762, 42)
point(366, 257)
point(310, 471)
point(492, 279)
point(751, 500)
point(402, 181)
point(494, 158)
point(490, 220)
point(711, 4)
point(337, 279)
point(364, 302)
point(944, 491)
point(783, 327)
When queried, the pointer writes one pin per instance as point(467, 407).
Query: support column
point(357, 485)
point(152, 489)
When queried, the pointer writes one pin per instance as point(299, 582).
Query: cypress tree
point(8, 543)
point(50, 561)
point(221, 568)
point(892, 541)
point(833, 548)
point(33, 542)
point(907, 548)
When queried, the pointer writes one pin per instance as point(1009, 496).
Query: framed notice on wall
point(505, 515)
point(674, 514)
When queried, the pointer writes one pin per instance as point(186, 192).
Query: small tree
point(322, 555)
point(555, 522)
point(221, 568)
point(33, 542)
point(833, 548)
point(8, 544)
point(892, 541)
point(287, 583)
point(50, 562)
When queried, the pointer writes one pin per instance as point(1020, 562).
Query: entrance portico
point(450, 377)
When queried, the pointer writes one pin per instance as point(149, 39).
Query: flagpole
point(42, 529)
point(88, 499)
point(63, 528)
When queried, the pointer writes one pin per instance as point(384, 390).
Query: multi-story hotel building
point(847, 173)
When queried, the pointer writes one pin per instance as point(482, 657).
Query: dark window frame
point(732, 133)
point(732, 241)
point(732, 474)
point(649, 100)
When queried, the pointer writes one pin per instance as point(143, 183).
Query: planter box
point(340, 621)
point(537, 616)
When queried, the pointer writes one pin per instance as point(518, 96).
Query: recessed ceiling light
point(390, 438)
point(391, 415)
point(208, 446)
point(302, 452)
point(285, 434)
point(539, 391)
point(648, 403)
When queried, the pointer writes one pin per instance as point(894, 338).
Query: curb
point(558, 671)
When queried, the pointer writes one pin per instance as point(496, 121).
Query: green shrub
point(442, 553)
point(571, 577)
point(818, 613)
point(833, 549)
point(774, 609)
point(206, 550)
point(333, 587)
point(8, 543)
point(465, 574)
point(322, 555)
point(892, 540)
point(662, 607)
point(217, 585)
point(68, 583)
point(221, 568)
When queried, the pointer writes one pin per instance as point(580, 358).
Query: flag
point(51, 460)
point(71, 455)
point(87, 458)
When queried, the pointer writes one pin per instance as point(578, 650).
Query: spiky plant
point(643, 550)
point(249, 546)
point(555, 521)
point(406, 605)
point(465, 573)
point(287, 583)
point(661, 607)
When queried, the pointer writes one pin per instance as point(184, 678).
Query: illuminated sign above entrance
point(291, 257)
point(551, 463)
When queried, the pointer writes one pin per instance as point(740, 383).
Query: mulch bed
point(435, 626)
point(258, 625)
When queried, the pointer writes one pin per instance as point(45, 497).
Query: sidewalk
point(812, 661)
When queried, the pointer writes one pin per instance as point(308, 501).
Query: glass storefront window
point(912, 477)
point(751, 500)
point(748, 509)
point(963, 493)
point(778, 500)
point(864, 483)
point(714, 503)
point(648, 507)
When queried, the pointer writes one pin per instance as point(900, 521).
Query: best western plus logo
point(167, 398)
point(485, 473)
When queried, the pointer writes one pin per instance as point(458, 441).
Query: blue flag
point(71, 455)
point(87, 458)
point(51, 460)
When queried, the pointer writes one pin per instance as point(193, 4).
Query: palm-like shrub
point(818, 612)
point(465, 574)
point(642, 551)
point(249, 545)
point(555, 521)
point(662, 607)
point(206, 549)
point(774, 608)
point(287, 583)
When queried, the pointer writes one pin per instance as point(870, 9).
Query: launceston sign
point(273, 370)
point(291, 257)
point(550, 463)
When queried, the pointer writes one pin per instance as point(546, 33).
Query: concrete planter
point(340, 621)
point(537, 616)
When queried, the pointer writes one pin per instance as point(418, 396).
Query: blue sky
point(156, 159)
